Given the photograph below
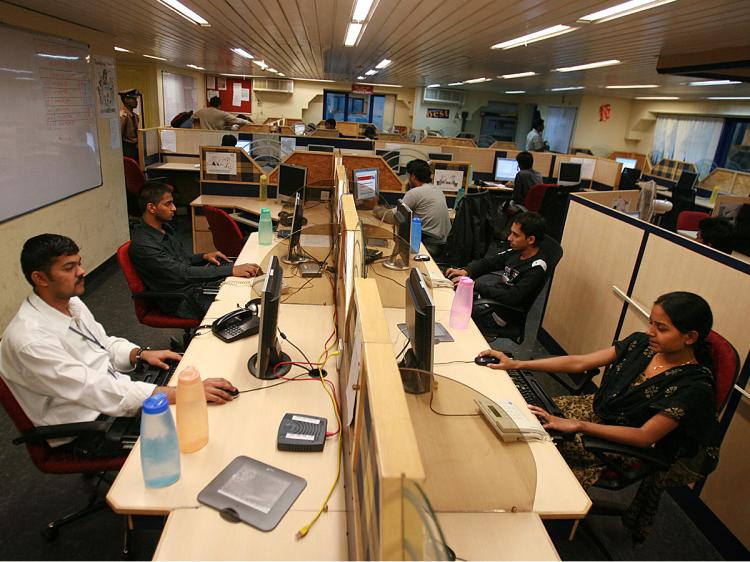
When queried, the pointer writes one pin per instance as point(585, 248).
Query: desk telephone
point(509, 422)
point(239, 323)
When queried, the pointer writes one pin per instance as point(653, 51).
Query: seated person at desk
point(657, 391)
point(512, 277)
point(426, 202)
point(58, 361)
point(228, 140)
point(214, 118)
point(716, 232)
point(330, 123)
point(526, 177)
point(165, 266)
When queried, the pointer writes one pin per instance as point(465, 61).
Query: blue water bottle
point(160, 451)
point(265, 228)
point(416, 234)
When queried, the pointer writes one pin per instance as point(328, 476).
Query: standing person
point(534, 141)
point(526, 177)
point(129, 123)
point(212, 117)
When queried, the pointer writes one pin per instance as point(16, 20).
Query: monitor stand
point(276, 358)
point(396, 263)
point(295, 257)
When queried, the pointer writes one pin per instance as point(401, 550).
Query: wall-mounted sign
point(362, 89)
point(433, 113)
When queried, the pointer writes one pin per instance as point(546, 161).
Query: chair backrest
point(689, 220)
point(39, 452)
point(535, 196)
point(135, 284)
point(134, 178)
point(554, 253)
point(226, 234)
point(470, 233)
point(726, 367)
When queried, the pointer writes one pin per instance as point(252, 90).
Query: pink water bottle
point(463, 300)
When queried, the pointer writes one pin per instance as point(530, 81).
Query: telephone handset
point(239, 323)
point(509, 422)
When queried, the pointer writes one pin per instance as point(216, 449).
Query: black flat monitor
point(391, 157)
point(505, 169)
point(399, 259)
point(447, 156)
point(319, 148)
point(265, 364)
point(570, 173)
point(629, 178)
point(295, 254)
point(365, 187)
point(420, 323)
point(687, 181)
point(292, 180)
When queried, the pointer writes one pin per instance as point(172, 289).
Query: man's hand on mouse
point(217, 390)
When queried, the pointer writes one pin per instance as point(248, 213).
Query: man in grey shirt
point(426, 202)
point(526, 177)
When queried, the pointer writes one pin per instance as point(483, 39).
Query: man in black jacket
point(513, 277)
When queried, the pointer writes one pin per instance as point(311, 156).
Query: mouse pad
point(253, 492)
point(441, 334)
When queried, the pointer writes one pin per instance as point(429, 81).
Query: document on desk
point(352, 379)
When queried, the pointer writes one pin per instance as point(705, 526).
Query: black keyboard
point(533, 392)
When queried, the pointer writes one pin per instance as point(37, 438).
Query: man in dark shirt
point(513, 277)
point(165, 266)
point(526, 177)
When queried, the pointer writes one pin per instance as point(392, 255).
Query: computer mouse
point(234, 392)
point(485, 360)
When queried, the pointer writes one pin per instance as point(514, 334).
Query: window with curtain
point(688, 139)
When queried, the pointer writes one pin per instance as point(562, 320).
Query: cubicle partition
point(606, 173)
point(448, 141)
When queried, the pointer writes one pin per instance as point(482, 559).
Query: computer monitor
point(263, 364)
point(399, 259)
point(420, 323)
point(244, 144)
point(299, 129)
point(629, 178)
point(646, 200)
point(295, 254)
point(365, 187)
point(686, 182)
point(627, 162)
point(570, 174)
point(391, 157)
point(319, 148)
point(505, 169)
point(292, 180)
point(447, 156)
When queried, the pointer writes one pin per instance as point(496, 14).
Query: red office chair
point(134, 180)
point(145, 310)
point(535, 196)
point(689, 220)
point(227, 235)
point(52, 460)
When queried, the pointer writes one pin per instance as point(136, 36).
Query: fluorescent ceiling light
point(313, 80)
point(455, 83)
point(120, 49)
point(57, 57)
point(383, 85)
point(352, 34)
point(516, 92)
point(195, 67)
point(624, 9)
point(15, 70)
point(566, 88)
point(548, 33)
point(154, 57)
point(729, 98)
point(631, 86)
point(518, 75)
point(433, 86)
point(587, 66)
point(371, 72)
point(361, 78)
point(243, 53)
point(657, 98)
point(477, 80)
point(185, 12)
point(282, 74)
point(361, 10)
point(261, 63)
point(714, 83)
point(273, 70)
point(382, 64)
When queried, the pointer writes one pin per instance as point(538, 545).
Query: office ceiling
point(429, 41)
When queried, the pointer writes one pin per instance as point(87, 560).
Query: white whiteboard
point(179, 93)
point(558, 128)
point(49, 148)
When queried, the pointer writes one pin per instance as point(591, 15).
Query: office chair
point(471, 231)
point(689, 220)
point(52, 460)
point(144, 300)
point(226, 233)
point(515, 316)
point(134, 180)
point(535, 196)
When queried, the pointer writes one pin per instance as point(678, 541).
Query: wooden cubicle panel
point(608, 198)
point(388, 179)
point(253, 128)
point(606, 172)
point(504, 145)
point(481, 159)
point(391, 137)
point(319, 167)
point(247, 170)
point(726, 202)
point(189, 141)
point(448, 141)
point(327, 133)
point(728, 181)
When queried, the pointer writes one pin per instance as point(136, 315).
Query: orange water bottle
point(192, 411)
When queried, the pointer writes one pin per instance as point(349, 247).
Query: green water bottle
point(265, 228)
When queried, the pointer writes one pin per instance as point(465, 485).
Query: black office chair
point(515, 316)
point(472, 230)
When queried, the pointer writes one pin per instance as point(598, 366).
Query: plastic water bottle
point(263, 194)
point(265, 228)
point(416, 234)
point(160, 453)
point(192, 411)
point(463, 301)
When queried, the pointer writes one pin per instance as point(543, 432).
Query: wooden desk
point(174, 167)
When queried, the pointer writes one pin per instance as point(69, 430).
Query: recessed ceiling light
point(154, 57)
point(243, 53)
point(261, 63)
point(433, 86)
point(624, 9)
point(516, 92)
point(371, 72)
point(714, 83)
point(383, 85)
point(361, 78)
point(361, 10)
point(547, 33)
point(632, 86)
point(729, 98)
point(657, 98)
point(455, 84)
point(273, 70)
point(587, 66)
point(518, 75)
point(313, 80)
point(195, 67)
point(282, 74)
point(185, 12)
point(382, 64)
point(566, 88)
point(477, 80)
point(352, 34)
point(122, 50)
point(57, 57)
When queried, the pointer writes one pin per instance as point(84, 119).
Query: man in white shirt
point(534, 141)
point(58, 361)
point(214, 118)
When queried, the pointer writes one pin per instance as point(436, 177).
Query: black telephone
point(239, 323)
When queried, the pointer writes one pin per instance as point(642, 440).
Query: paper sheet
point(588, 166)
point(210, 83)
point(237, 94)
point(221, 83)
point(212, 94)
point(449, 180)
point(221, 163)
point(245, 94)
point(114, 132)
point(168, 141)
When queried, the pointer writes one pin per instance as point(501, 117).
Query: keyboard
point(532, 391)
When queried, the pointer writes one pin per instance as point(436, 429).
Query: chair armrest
point(150, 295)
point(600, 447)
point(42, 433)
point(576, 382)
point(495, 306)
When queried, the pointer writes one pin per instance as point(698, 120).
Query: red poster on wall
point(605, 112)
point(234, 93)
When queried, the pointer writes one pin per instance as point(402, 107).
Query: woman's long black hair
point(689, 311)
